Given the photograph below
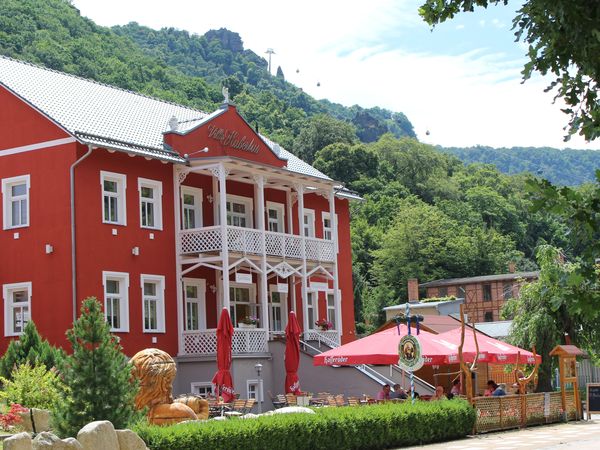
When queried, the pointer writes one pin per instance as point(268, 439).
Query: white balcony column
point(259, 181)
point(336, 282)
point(300, 190)
point(178, 178)
point(221, 172)
point(290, 230)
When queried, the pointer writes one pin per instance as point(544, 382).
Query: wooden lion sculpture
point(156, 371)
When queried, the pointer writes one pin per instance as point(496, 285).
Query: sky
point(460, 81)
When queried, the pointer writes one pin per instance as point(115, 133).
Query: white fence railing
point(247, 340)
point(330, 338)
point(248, 240)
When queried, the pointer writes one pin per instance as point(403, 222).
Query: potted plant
point(248, 322)
point(324, 325)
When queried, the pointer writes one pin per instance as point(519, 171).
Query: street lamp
point(258, 367)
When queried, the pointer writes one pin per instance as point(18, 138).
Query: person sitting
point(491, 387)
point(384, 394)
point(456, 387)
point(398, 393)
point(439, 394)
point(410, 394)
point(500, 391)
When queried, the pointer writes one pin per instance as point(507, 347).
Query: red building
point(145, 204)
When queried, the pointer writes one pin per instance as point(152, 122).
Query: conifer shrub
point(360, 427)
point(96, 374)
point(32, 387)
point(31, 348)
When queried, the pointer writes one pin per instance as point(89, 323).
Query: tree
point(97, 375)
point(280, 74)
point(563, 39)
point(347, 163)
point(320, 131)
point(31, 348)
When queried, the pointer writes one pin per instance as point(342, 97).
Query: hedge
point(365, 427)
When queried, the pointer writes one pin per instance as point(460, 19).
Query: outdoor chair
point(339, 400)
point(249, 405)
point(331, 401)
point(282, 400)
point(277, 402)
point(353, 401)
point(237, 408)
point(291, 400)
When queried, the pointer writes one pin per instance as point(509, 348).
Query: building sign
point(245, 278)
point(410, 354)
point(232, 139)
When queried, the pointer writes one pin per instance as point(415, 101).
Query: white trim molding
point(120, 196)
point(38, 146)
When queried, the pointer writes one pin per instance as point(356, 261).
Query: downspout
point(73, 253)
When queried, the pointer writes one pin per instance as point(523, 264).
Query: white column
point(300, 190)
point(178, 177)
point(336, 282)
point(264, 294)
point(222, 174)
point(291, 278)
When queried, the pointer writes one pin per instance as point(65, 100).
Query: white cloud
point(460, 26)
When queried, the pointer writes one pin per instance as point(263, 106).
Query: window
point(203, 388)
point(327, 226)
point(312, 310)
point(275, 217)
point(331, 310)
point(195, 304)
point(488, 316)
point(153, 300)
point(150, 203)
point(462, 293)
point(254, 389)
point(113, 197)
point(191, 207)
point(507, 291)
point(239, 211)
point(277, 304)
point(17, 307)
point(116, 300)
point(309, 223)
point(487, 292)
point(242, 303)
point(443, 291)
point(15, 194)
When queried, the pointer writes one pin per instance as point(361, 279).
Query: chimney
point(512, 267)
point(413, 290)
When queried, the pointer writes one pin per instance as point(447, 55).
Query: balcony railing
point(331, 338)
point(253, 340)
point(248, 240)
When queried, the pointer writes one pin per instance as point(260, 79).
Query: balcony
point(331, 338)
point(248, 241)
point(204, 342)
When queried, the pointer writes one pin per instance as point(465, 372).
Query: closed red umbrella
point(292, 354)
point(222, 379)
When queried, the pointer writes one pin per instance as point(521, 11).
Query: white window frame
point(314, 294)
point(328, 292)
point(201, 384)
point(7, 291)
point(280, 208)
point(283, 306)
point(248, 203)
point(200, 285)
point(121, 196)
point(254, 304)
point(159, 280)
point(123, 279)
point(310, 226)
point(197, 208)
point(156, 202)
point(259, 390)
point(7, 200)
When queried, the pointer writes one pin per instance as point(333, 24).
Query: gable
point(224, 133)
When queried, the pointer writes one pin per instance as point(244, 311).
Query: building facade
point(166, 214)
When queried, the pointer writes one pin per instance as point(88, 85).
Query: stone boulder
point(293, 410)
point(21, 441)
point(72, 444)
point(41, 417)
point(99, 435)
point(128, 440)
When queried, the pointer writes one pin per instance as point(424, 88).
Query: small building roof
point(431, 322)
point(567, 350)
point(481, 279)
point(498, 330)
point(402, 307)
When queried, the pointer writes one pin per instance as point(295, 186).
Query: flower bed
point(373, 427)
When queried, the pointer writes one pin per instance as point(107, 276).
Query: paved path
point(573, 435)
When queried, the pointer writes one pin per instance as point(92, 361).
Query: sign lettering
point(233, 139)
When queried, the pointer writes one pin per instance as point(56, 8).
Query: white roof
point(105, 115)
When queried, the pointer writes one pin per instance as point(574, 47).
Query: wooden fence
point(513, 411)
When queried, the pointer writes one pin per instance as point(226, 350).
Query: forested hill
point(565, 167)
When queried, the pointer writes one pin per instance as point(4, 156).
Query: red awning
point(222, 379)
point(292, 354)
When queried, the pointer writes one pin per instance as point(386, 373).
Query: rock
point(41, 417)
point(99, 435)
point(46, 440)
point(128, 440)
point(21, 441)
point(294, 410)
point(249, 416)
point(72, 444)
point(220, 418)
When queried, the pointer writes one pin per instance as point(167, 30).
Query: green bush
point(33, 387)
point(367, 427)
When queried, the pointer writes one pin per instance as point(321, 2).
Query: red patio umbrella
point(382, 348)
point(292, 354)
point(222, 379)
point(490, 350)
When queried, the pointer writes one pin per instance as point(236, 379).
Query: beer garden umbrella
point(222, 379)
point(292, 354)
